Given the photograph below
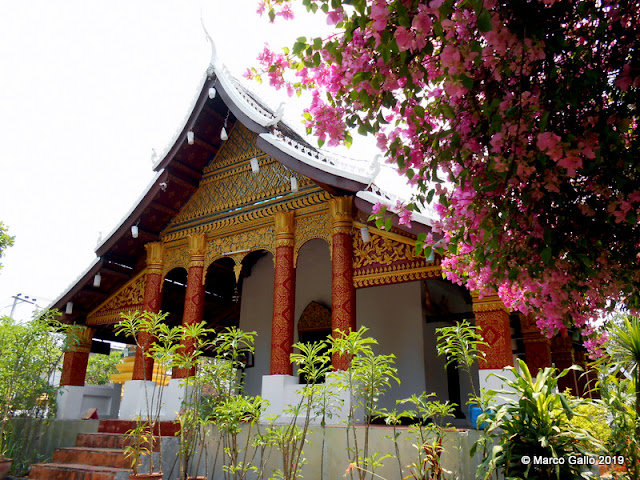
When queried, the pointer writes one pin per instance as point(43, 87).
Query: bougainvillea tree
point(517, 118)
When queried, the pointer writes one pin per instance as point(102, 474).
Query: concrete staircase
point(96, 456)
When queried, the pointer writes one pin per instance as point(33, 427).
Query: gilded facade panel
point(241, 243)
point(229, 187)
point(317, 225)
point(384, 260)
point(129, 297)
point(176, 257)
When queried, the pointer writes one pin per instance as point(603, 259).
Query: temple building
point(246, 224)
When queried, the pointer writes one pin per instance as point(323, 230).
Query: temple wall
point(255, 315)
point(313, 277)
point(393, 314)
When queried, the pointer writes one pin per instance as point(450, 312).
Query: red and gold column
point(76, 356)
point(493, 319)
point(536, 346)
point(284, 296)
point(143, 366)
point(343, 293)
point(194, 296)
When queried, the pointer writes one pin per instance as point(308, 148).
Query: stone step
point(70, 471)
point(106, 457)
point(107, 440)
point(167, 429)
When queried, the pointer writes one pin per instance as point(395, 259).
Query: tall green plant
point(313, 364)
point(428, 435)
point(460, 344)
point(534, 423)
point(191, 417)
point(165, 343)
point(30, 354)
point(367, 378)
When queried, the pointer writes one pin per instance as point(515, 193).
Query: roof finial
point(278, 115)
point(211, 69)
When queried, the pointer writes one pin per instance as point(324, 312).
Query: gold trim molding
point(395, 274)
point(489, 303)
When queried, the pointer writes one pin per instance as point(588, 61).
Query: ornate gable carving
point(229, 185)
point(385, 260)
point(130, 297)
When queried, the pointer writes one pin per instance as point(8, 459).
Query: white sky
point(87, 89)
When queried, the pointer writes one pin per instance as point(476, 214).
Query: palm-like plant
point(536, 424)
point(624, 351)
point(621, 396)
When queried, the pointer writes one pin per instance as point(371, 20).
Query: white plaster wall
point(313, 277)
point(256, 310)
point(393, 314)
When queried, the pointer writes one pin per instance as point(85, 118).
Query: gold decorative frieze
point(129, 297)
point(176, 256)
point(317, 225)
point(395, 274)
point(381, 251)
point(240, 244)
point(258, 215)
point(388, 258)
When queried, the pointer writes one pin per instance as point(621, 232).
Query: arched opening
point(174, 290)
point(222, 305)
point(314, 325)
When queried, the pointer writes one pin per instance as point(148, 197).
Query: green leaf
point(546, 255)
point(484, 21)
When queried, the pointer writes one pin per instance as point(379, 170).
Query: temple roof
point(220, 102)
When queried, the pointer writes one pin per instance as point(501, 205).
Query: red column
point(194, 296)
point(493, 319)
point(284, 295)
point(536, 345)
point(562, 356)
point(143, 366)
point(76, 356)
point(343, 293)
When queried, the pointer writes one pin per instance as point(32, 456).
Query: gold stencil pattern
point(176, 257)
point(129, 297)
point(230, 184)
point(240, 145)
point(383, 261)
point(380, 251)
point(310, 227)
point(241, 243)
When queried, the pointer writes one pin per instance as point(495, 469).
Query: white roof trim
point(244, 102)
point(362, 171)
point(74, 283)
point(131, 210)
point(180, 126)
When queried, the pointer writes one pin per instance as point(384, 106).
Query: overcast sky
point(87, 90)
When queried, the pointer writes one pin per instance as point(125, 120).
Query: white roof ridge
point(360, 170)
